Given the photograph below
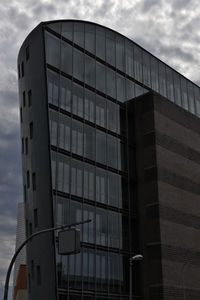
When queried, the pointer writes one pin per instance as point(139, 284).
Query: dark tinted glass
point(146, 68)
point(197, 99)
point(101, 111)
point(89, 182)
point(65, 93)
point(177, 88)
point(110, 83)
point(111, 116)
point(154, 74)
point(162, 79)
point(64, 136)
point(184, 94)
point(67, 30)
point(100, 77)
point(112, 150)
point(100, 42)
point(53, 87)
point(52, 50)
point(89, 142)
point(66, 58)
point(120, 53)
point(89, 71)
point(137, 63)
point(77, 100)
point(101, 186)
point(90, 38)
point(120, 88)
point(170, 84)
point(79, 34)
point(100, 147)
point(190, 88)
point(110, 47)
point(77, 137)
point(89, 106)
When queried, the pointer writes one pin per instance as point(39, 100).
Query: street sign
point(69, 241)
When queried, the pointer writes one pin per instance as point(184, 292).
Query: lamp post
point(132, 259)
point(26, 241)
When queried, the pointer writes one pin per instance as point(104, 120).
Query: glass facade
point(91, 74)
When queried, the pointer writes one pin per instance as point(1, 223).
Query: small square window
point(26, 145)
point(25, 196)
point(29, 98)
point(28, 179)
point(34, 181)
point(18, 71)
point(27, 53)
point(24, 99)
point(31, 130)
point(22, 145)
point(22, 69)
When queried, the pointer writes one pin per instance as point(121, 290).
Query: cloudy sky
point(168, 29)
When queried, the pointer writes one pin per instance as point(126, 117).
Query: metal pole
point(25, 242)
point(130, 272)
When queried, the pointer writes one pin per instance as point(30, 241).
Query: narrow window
point(32, 269)
point(22, 69)
point(18, 71)
point(27, 53)
point(25, 196)
point(34, 181)
point(35, 217)
point(26, 145)
point(38, 275)
point(29, 98)
point(30, 229)
point(22, 145)
point(28, 179)
point(24, 99)
point(21, 118)
point(31, 130)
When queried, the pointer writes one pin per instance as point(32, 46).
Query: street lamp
point(63, 249)
point(132, 259)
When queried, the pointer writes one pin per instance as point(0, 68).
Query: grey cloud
point(105, 8)
point(39, 10)
point(147, 5)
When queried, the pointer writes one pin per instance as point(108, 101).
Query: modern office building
point(112, 134)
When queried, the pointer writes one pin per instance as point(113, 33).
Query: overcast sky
point(168, 29)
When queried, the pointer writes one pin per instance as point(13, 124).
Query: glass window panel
point(197, 99)
point(53, 170)
point(62, 211)
point(53, 119)
point(88, 228)
point(78, 64)
point(88, 186)
point(66, 58)
point(101, 271)
point(63, 173)
point(190, 88)
point(101, 111)
point(130, 90)
point(170, 84)
point(184, 94)
point(154, 74)
point(162, 79)
point(101, 227)
point(67, 30)
point(53, 87)
point(65, 93)
point(120, 88)
point(77, 137)
point(64, 132)
point(100, 147)
point(101, 186)
point(76, 177)
point(100, 42)
point(129, 58)
point(112, 155)
point(100, 77)
point(146, 68)
point(110, 83)
point(79, 34)
point(89, 106)
point(110, 47)
point(89, 142)
point(139, 90)
point(90, 38)
point(113, 189)
point(52, 50)
point(137, 63)
point(112, 116)
point(113, 227)
point(55, 27)
point(89, 71)
point(77, 102)
point(177, 88)
point(120, 53)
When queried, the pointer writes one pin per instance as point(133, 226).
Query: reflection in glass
point(129, 58)
point(79, 33)
point(146, 68)
point(170, 85)
point(190, 88)
point(89, 106)
point(110, 47)
point(89, 182)
point(52, 50)
point(120, 88)
point(89, 71)
point(100, 42)
point(177, 88)
point(89, 142)
point(53, 127)
point(100, 147)
point(76, 177)
point(110, 83)
point(100, 77)
point(65, 93)
point(162, 79)
point(111, 116)
point(120, 63)
point(137, 63)
point(197, 99)
point(101, 188)
point(78, 64)
point(112, 155)
point(90, 38)
point(154, 74)
point(101, 227)
point(101, 111)
point(66, 58)
point(77, 137)
point(184, 94)
point(53, 87)
point(130, 90)
point(67, 30)
point(64, 132)
point(77, 102)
